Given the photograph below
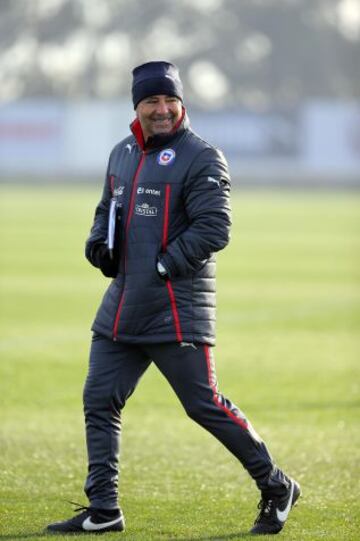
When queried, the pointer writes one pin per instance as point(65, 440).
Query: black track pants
point(114, 371)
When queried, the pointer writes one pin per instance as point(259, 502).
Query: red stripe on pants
point(215, 397)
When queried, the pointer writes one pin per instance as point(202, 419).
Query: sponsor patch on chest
point(148, 191)
point(145, 210)
point(119, 190)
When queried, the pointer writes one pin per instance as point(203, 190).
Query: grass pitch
point(287, 354)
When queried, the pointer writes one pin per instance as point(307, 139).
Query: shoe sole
point(86, 532)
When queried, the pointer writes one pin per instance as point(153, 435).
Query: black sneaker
point(90, 520)
point(274, 511)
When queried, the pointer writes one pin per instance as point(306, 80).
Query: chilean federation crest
point(166, 156)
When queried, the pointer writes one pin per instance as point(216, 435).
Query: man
point(164, 213)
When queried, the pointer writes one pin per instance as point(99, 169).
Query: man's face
point(158, 114)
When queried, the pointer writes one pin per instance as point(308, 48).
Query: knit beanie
point(155, 78)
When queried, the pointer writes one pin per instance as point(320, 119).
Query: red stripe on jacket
point(174, 309)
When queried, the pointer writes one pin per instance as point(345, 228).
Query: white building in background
point(46, 139)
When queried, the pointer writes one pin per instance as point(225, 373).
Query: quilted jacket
point(173, 197)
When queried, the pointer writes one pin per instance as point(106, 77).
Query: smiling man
point(163, 215)
point(158, 114)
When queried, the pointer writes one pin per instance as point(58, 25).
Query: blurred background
point(274, 83)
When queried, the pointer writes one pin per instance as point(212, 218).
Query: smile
point(162, 121)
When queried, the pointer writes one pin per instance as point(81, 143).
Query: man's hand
point(101, 259)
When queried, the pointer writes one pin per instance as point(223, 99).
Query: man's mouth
point(162, 123)
point(162, 120)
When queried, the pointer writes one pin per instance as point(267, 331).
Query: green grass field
point(287, 354)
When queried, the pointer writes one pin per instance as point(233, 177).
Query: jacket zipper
point(131, 209)
point(168, 282)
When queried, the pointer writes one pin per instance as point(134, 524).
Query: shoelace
point(78, 507)
point(265, 508)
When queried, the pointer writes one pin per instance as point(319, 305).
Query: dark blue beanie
point(155, 78)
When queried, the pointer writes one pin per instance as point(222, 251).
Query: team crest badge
point(166, 156)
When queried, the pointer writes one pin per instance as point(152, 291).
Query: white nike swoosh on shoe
point(90, 526)
point(282, 515)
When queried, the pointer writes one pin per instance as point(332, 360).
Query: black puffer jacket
point(174, 200)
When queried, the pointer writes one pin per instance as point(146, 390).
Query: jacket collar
point(157, 141)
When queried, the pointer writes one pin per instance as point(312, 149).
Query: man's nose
point(162, 108)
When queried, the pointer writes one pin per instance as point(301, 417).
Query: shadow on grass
point(238, 535)
point(32, 535)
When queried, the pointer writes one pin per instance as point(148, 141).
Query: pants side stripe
point(215, 398)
